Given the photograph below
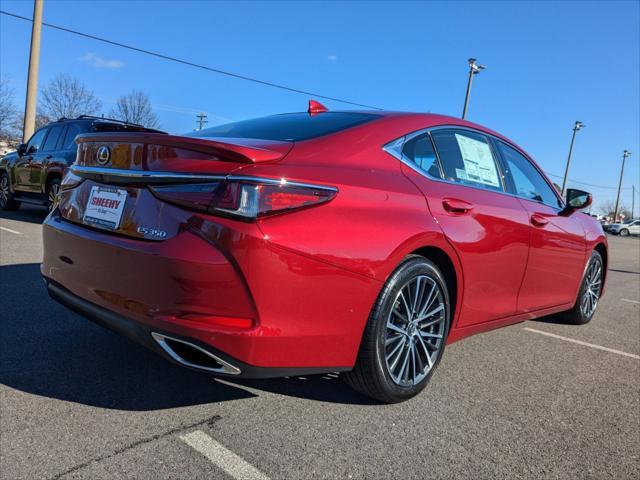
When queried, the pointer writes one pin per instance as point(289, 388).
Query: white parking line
point(630, 301)
point(610, 350)
point(9, 230)
point(223, 458)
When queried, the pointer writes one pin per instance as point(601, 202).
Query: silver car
point(630, 227)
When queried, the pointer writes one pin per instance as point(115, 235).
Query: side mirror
point(22, 149)
point(576, 200)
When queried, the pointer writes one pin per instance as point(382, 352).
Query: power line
point(588, 184)
point(192, 64)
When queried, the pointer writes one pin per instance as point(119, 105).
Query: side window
point(467, 159)
point(52, 139)
point(36, 140)
point(419, 150)
point(528, 181)
point(73, 130)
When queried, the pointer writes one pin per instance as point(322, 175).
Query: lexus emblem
point(103, 155)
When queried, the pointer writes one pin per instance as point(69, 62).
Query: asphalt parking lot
point(77, 401)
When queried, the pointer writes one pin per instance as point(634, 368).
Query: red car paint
point(305, 281)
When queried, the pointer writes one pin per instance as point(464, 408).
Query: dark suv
point(32, 174)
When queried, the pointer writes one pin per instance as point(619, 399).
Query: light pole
point(32, 77)
point(625, 154)
point(576, 127)
point(474, 69)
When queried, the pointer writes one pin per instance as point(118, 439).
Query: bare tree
point(607, 209)
point(15, 129)
point(135, 107)
point(7, 110)
point(65, 96)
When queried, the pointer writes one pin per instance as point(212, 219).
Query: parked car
point(629, 227)
point(33, 173)
point(302, 243)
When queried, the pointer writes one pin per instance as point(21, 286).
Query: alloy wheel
point(414, 332)
point(593, 286)
point(54, 189)
point(4, 191)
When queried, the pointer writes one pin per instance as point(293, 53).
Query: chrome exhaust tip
point(193, 356)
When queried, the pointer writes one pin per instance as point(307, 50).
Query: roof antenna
point(316, 107)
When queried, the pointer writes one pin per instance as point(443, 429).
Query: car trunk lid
point(116, 171)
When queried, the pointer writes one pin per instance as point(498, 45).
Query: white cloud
point(332, 57)
point(96, 61)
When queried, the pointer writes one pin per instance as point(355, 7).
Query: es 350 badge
point(154, 233)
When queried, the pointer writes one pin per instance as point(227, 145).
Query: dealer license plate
point(105, 206)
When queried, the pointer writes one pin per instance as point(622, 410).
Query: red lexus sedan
point(318, 242)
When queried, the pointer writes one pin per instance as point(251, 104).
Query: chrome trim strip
point(150, 176)
point(138, 175)
point(226, 368)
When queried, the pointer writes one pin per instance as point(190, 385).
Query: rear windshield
point(292, 127)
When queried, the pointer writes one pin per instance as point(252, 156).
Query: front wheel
point(589, 293)
point(624, 232)
point(404, 338)
point(6, 197)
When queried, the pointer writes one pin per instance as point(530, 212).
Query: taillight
point(244, 198)
point(70, 180)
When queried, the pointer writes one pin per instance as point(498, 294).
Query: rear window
point(73, 130)
point(292, 127)
point(120, 127)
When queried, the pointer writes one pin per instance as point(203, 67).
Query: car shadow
point(26, 213)
point(49, 351)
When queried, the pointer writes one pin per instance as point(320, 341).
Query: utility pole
point(576, 127)
point(32, 78)
point(201, 120)
point(474, 69)
point(633, 199)
point(625, 154)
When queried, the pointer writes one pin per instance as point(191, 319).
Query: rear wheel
point(624, 232)
point(589, 293)
point(404, 338)
point(6, 197)
point(53, 189)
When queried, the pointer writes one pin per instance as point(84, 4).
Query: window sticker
point(479, 166)
point(461, 174)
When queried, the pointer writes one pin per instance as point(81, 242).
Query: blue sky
point(549, 64)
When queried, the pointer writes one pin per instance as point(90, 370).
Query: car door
point(557, 256)
point(488, 228)
point(22, 167)
point(41, 159)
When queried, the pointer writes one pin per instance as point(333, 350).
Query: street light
point(576, 127)
point(474, 69)
point(625, 154)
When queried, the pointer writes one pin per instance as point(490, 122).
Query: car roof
point(102, 120)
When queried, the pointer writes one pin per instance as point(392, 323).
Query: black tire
point(624, 232)
point(372, 374)
point(53, 188)
point(6, 197)
point(577, 315)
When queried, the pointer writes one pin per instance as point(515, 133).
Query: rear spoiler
point(234, 150)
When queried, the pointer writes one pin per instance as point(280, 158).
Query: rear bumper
point(309, 316)
point(152, 339)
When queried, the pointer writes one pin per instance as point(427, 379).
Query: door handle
point(538, 220)
point(48, 157)
point(453, 205)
